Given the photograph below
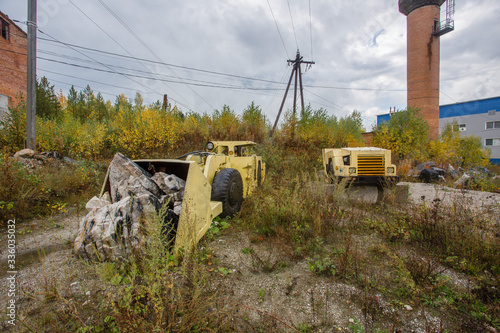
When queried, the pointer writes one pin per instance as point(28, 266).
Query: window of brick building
point(492, 124)
point(5, 29)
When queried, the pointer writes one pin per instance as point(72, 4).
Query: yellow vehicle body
point(232, 154)
point(199, 170)
point(360, 166)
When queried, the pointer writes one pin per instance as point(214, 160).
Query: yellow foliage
point(148, 132)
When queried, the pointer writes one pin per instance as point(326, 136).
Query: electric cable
point(119, 43)
point(100, 63)
point(147, 47)
point(310, 31)
point(293, 26)
point(277, 28)
point(113, 71)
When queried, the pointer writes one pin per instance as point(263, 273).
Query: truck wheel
point(228, 188)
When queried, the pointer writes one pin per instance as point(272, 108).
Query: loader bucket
point(197, 211)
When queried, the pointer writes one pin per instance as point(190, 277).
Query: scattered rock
point(25, 153)
point(115, 226)
point(112, 232)
point(408, 307)
point(127, 178)
point(433, 174)
point(96, 202)
point(168, 183)
point(46, 156)
point(463, 181)
point(69, 160)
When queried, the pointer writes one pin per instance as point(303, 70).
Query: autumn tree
point(253, 123)
point(451, 147)
point(406, 134)
point(13, 125)
point(225, 124)
point(47, 103)
point(71, 104)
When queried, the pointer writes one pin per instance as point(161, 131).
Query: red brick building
point(13, 61)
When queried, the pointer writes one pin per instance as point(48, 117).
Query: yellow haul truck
point(360, 166)
point(217, 181)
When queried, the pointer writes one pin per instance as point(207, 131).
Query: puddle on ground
point(26, 259)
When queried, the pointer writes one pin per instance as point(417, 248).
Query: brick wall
point(13, 60)
point(423, 65)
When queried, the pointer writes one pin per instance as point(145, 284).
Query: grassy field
point(279, 266)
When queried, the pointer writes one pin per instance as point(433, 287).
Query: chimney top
point(408, 6)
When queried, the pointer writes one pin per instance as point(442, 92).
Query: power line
point(219, 73)
point(136, 59)
point(166, 64)
point(310, 30)
point(122, 68)
point(279, 32)
point(98, 82)
point(100, 63)
point(147, 47)
point(113, 71)
point(332, 103)
point(74, 85)
point(358, 89)
point(293, 26)
point(236, 76)
point(215, 85)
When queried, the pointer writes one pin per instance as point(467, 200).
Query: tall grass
point(43, 189)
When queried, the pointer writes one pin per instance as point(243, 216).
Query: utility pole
point(31, 78)
point(165, 102)
point(298, 75)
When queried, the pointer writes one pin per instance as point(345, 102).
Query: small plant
point(262, 293)
point(355, 326)
point(304, 328)
point(217, 226)
point(247, 251)
point(321, 266)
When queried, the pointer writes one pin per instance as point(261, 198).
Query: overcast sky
point(359, 50)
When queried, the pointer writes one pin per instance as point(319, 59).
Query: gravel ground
point(290, 292)
point(476, 200)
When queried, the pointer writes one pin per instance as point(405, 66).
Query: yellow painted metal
point(371, 165)
point(199, 170)
point(231, 147)
point(237, 155)
point(368, 161)
point(198, 210)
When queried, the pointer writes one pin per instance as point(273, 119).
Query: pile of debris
point(115, 226)
point(429, 172)
point(31, 159)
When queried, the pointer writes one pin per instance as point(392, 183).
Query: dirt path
point(47, 235)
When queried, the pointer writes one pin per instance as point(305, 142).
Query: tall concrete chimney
point(423, 58)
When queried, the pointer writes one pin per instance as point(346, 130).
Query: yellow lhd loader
point(360, 166)
point(215, 182)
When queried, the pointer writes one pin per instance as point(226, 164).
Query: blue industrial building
point(480, 118)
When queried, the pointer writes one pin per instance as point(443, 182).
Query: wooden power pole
point(298, 76)
point(31, 78)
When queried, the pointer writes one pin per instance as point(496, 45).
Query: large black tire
point(228, 188)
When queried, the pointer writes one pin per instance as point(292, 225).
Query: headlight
point(390, 170)
point(210, 145)
point(352, 170)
